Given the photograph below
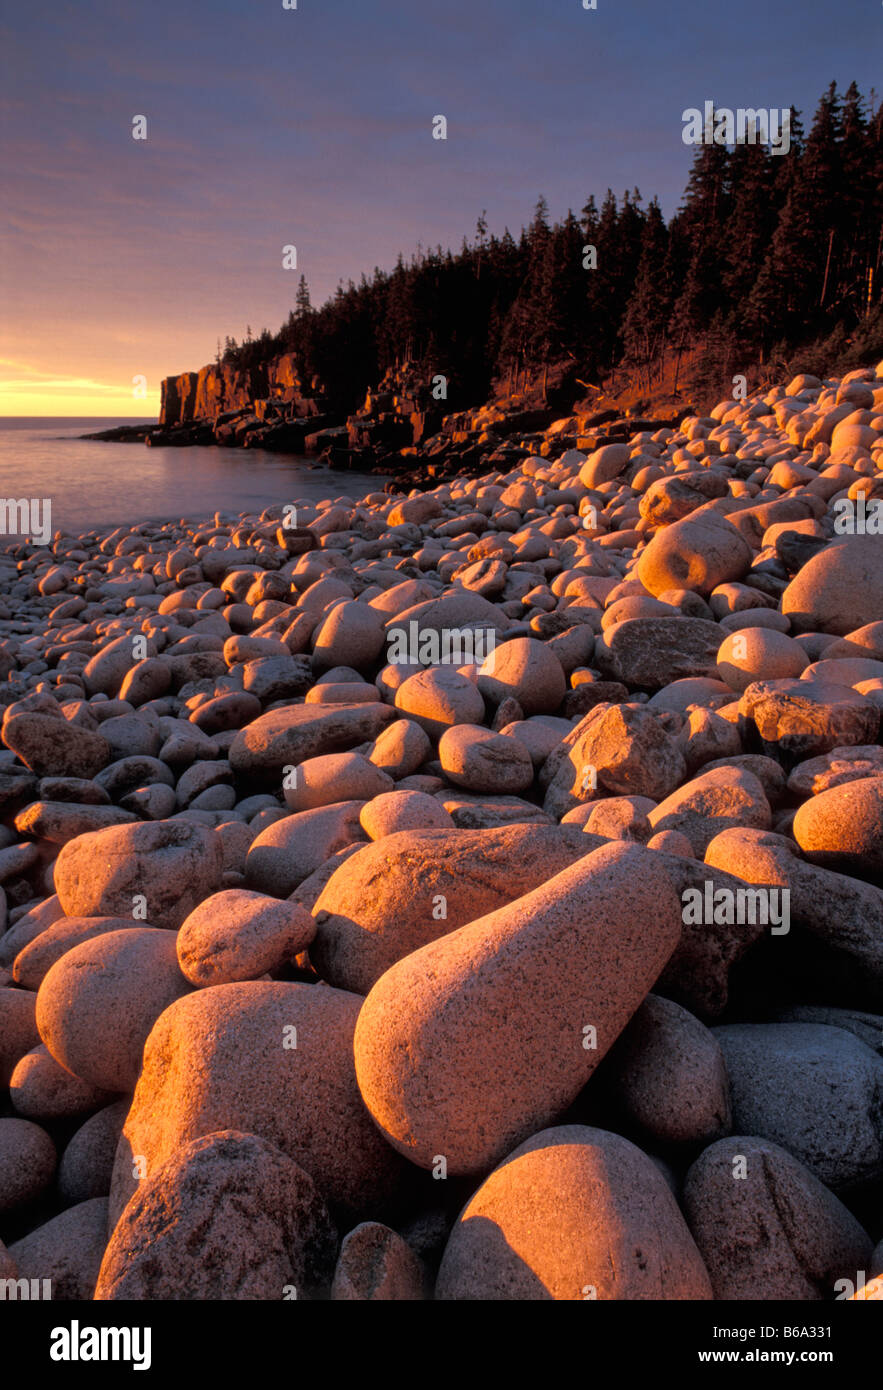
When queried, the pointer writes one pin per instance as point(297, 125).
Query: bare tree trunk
point(827, 268)
point(677, 368)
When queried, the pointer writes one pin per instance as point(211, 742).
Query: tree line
point(767, 254)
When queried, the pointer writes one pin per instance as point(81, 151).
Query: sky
point(312, 127)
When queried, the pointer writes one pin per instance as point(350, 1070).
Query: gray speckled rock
point(482, 761)
point(27, 1162)
point(713, 802)
point(55, 747)
point(392, 812)
point(839, 589)
point(816, 1091)
point(268, 1058)
point(31, 965)
point(526, 670)
point(376, 1265)
point(18, 1028)
point(41, 1089)
point(843, 912)
point(798, 719)
point(67, 1250)
point(618, 750)
point(414, 886)
point(282, 737)
point(240, 935)
point(668, 1072)
point(842, 828)
point(87, 1162)
point(7, 1264)
point(333, 778)
point(653, 652)
point(291, 849)
point(226, 1216)
point(766, 1227)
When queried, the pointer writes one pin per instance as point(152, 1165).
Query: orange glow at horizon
point(30, 392)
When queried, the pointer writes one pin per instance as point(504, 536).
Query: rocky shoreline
point(400, 429)
point(469, 894)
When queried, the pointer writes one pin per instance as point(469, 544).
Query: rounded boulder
point(574, 1213)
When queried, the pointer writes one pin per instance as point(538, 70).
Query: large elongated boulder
point(417, 885)
point(474, 1042)
point(268, 1058)
point(573, 1213)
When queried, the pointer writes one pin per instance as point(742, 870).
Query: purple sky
point(313, 127)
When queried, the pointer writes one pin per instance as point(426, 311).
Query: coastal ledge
point(400, 428)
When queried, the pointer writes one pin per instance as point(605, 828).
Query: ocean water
point(93, 484)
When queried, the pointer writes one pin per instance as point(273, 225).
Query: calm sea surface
point(93, 484)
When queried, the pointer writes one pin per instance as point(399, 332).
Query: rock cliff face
point(400, 425)
point(222, 387)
